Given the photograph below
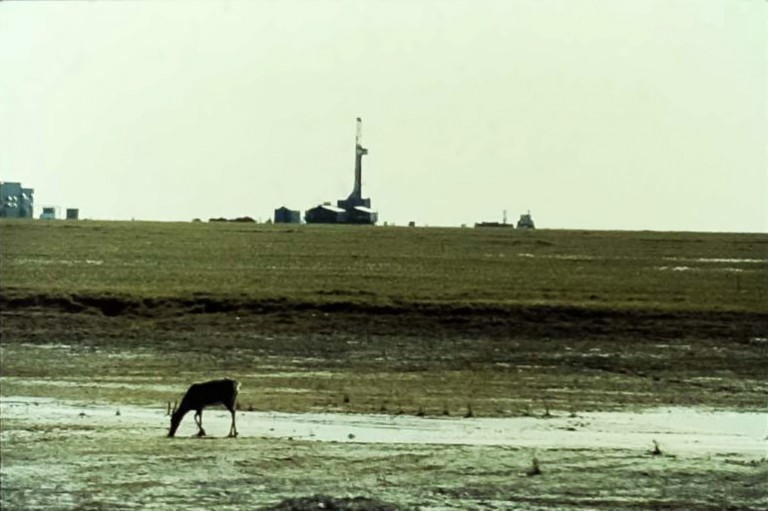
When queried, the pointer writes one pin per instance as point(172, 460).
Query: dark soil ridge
point(516, 320)
point(325, 503)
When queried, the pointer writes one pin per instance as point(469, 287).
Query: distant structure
point(49, 213)
point(354, 209)
point(355, 198)
point(16, 201)
point(240, 219)
point(73, 213)
point(526, 221)
point(496, 224)
point(325, 214)
point(284, 215)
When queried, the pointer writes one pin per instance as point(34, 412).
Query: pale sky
point(592, 114)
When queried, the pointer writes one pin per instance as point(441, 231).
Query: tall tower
point(354, 209)
point(360, 151)
point(356, 197)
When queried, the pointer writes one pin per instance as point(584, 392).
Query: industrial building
point(284, 215)
point(496, 224)
point(354, 209)
point(325, 214)
point(526, 221)
point(16, 201)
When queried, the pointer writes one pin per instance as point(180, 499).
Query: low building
point(494, 224)
point(361, 215)
point(16, 201)
point(284, 215)
point(49, 213)
point(73, 213)
point(325, 214)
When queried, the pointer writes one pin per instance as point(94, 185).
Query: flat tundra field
point(383, 368)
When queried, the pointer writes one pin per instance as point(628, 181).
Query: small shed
point(73, 213)
point(49, 213)
point(284, 215)
point(325, 214)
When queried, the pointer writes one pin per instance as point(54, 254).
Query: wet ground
point(423, 412)
point(86, 455)
point(687, 431)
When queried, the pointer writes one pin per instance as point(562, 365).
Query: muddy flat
point(76, 454)
point(452, 419)
point(689, 431)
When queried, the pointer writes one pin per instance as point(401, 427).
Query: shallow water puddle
point(677, 430)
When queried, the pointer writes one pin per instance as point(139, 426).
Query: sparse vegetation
point(409, 318)
point(224, 266)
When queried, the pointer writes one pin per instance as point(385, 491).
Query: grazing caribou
point(205, 394)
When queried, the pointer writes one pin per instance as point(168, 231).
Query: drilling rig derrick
point(354, 209)
point(355, 198)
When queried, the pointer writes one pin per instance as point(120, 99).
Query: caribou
point(200, 395)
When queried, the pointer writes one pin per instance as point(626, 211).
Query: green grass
point(435, 350)
point(386, 265)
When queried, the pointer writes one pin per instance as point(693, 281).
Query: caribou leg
point(233, 428)
point(199, 421)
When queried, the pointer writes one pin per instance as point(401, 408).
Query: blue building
point(285, 215)
point(16, 201)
